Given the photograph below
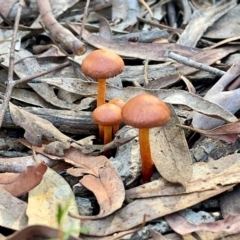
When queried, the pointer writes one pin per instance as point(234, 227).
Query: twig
point(84, 19)
point(191, 63)
point(57, 31)
point(147, 7)
point(10, 81)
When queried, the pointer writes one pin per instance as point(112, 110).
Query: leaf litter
point(121, 202)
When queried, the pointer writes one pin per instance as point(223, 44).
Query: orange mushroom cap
point(118, 102)
point(102, 64)
point(145, 111)
point(107, 115)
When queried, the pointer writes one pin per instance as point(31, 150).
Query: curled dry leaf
point(19, 183)
point(228, 132)
point(99, 176)
point(170, 151)
point(35, 127)
point(179, 224)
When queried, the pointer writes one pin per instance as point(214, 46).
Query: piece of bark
point(65, 120)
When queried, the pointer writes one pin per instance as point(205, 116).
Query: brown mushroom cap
point(118, 102)
point(102, 64)
point(145, 111)
point(107, 115)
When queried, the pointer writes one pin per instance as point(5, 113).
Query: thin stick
point(10, 82)
point(191, 63)
point(84, 19)
point(147, 7)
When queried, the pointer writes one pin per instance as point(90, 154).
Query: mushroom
point(107, 115)
point(102, 64)
point(145, 111)
point(120, 103)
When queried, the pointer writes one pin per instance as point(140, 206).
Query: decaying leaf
point(31, 232)
point(35, 127)
point(19, 183)
point(12, 211)
point(228, 132)
point(171, 96)
point(44, 199)
point(132, 214)
point(99, 176)
point(182, 226)
point(170, 151)
point(213, 173)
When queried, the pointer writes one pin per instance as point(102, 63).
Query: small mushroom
point(144, 112)
point(102, 64)
point(120, 103)
point(107, 115)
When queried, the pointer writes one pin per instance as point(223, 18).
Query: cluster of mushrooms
point(143, 111)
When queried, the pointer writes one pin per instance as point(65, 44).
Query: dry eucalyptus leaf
point(222, 29)
point(214, 173)
point(31, 232)
point(27, 96)
point(201, 20)
point(132, 214)
point(229, 203)
point(170, 152)
point(135, 50)
point(44, 199)
point(202, 106)
point(49, 95)
point(182, 226)
point(35, 127)
point(19, 183)
point(12, 211)
point(228, 132)
point(100, 177)
point(171, 96)
point(57, 148)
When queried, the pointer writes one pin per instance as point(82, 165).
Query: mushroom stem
point(101, 92)
point(115, 129)
point(107, 134)
point(147, 162)
point(100, 101)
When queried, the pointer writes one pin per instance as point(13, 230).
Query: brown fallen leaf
point(16, 219)
point(131, 215)
point(228, 132)
point(44, 199)
point(179, 224)
point(171, 199)
point(31, 232)
point(168, 95)
point(229, 203)
point(170, 151)
point(149, 51)
point(100, 177)
point(214, 173)
point(19, 183)
point(35, 127)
